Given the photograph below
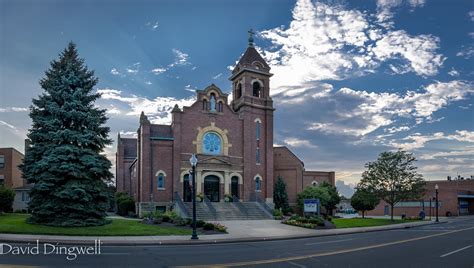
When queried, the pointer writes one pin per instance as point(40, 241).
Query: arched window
point(257, 130)
point(204, 105)
point(161, 181)
point(211, 143)
point(238, 93)
point(258, 184)
point(257, 155)
point(257, 89)
point(220, 107)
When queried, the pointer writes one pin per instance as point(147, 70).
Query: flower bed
point(171, 218)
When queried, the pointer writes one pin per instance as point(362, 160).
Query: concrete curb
point(138, 240)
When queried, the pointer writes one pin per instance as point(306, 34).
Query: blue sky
point(352, 78)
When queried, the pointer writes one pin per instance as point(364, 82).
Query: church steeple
point(250, 77)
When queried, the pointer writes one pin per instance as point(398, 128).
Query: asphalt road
point(441, 245)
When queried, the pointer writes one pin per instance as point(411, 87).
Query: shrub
point(7, 196)
point(208, 226)
point(219, 227)
point(200, 223)
point(179, 221)
point(125, 204)
point(189, 221)
point(277, 213)
point(166, 218)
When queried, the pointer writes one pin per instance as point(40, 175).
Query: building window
point(257, 89)
point(258, 184)
point(257, 155)
point(257, 130)
point(220, 107)
point(2, 161)
point(161, 181)
point(211, 143)
point(25, 197)
point(204, 105)
point(2, 180)
point(238, 93)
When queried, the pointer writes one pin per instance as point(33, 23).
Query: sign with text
point(311, 205)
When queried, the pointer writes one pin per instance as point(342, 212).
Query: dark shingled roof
point(251, 55)
point(129, 147)
point(161, 131)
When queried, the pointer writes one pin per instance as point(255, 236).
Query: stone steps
point(228, 211)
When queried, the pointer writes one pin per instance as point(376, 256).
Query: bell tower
point(250, 77)
point(251, 100)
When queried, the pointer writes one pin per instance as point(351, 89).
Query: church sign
point(311, 206)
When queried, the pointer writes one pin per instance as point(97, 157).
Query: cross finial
point(251, 33)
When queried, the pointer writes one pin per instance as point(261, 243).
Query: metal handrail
point(211, 207)
point(239, 205)
point(264, 205)
point(180, 203)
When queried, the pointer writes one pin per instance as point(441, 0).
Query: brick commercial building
point(11, 176)
point(233, 142)
point(456, 198)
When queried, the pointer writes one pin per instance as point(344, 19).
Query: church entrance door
point(211, 188)
point(187, 191)
point(234, 187)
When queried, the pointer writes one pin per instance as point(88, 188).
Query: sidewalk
point(239, 231)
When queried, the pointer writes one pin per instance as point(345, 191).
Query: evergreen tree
point(66, 139)
point(280, 196)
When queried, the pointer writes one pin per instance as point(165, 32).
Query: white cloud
point(369, 111)
point(114, 71)
point(295, 142)
point(134, 68)
point(158, 109)
point(132, 134)
point(13, 109)
point(158, 70)
point(326, 42)
point(417, 140)
point(385, 9)
point(396, 129)
point(471, 15)
point(217, 76)
point(148, 82)
point(3, 123)
point(181, 58)
point(453, 72)
point(466, 53)
point(419, 51)
point(152, 25)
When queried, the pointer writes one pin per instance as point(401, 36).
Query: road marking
point(327, 242)
point(455, 251)
point(295, 264)
point(270, 261)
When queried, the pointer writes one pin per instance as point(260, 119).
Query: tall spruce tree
point(280, 196)
point(66, 140)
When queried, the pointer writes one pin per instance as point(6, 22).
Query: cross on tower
point(251, 33)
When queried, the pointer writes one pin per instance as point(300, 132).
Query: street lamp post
point(193, 160)
point(437, 201)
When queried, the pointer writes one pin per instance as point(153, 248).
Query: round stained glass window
point(211, 143)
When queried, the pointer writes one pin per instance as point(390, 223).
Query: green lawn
point(16, 224)
point(359, 222)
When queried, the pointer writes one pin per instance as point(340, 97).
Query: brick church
point(233, 142)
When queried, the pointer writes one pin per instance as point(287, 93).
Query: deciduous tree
point(393, 177)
